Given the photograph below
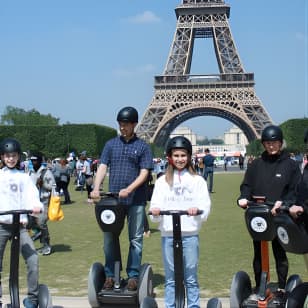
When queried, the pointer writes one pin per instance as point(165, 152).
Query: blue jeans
point(209, 176)
point(135, 221)
point(190, 263)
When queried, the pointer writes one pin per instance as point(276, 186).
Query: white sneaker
point(253, 297)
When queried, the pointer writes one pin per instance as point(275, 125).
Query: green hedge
point(58, 141)
point(293, 133)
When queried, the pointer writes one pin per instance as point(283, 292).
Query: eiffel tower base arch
point(172, 105)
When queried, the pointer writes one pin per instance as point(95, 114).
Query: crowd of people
point(128, 162)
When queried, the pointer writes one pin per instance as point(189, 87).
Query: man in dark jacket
point(275, 176)
point(208, 173)
point(300, 209)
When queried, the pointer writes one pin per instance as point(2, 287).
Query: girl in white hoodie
point(17, 192)
point(181, 188)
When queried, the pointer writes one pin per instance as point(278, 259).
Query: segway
point(293, 237)
point(110, 216)
point(44, 297)
point(178, 262)
point(261, 226)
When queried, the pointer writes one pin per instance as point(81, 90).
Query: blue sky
point(81, 61)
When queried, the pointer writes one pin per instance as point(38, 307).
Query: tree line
point(37, 131)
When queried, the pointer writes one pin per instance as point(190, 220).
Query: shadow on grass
point(61, 248)
point(154, 230)
point(158, 279)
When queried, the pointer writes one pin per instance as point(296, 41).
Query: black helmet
point(272, 133)
point(178, 142)
point(128, 114)
point(10, 145)
point(37, 156)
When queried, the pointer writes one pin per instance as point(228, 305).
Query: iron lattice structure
point(180, 96)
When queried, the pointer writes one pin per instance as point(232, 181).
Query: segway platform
point(110, 216)
point(262, 226)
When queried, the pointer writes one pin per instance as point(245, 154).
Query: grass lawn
point(225, 247)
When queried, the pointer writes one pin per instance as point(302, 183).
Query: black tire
point(148, 302)
point(240, 289)
point(297, 297)
point(214, 303)
point(292, 282)
point(44, 297)
point(96, 280)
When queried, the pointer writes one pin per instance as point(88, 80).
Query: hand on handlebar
point(95, 195)
point(243, 203)
point(36, 210)
point(124, 193)
point(155, 211)
point(296, 210)
point(276, 206)
point(193, 211)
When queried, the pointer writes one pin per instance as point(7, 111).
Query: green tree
point(18, 116)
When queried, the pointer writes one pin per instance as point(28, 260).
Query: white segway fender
point(96, 280)
point(44, 297)
point(145, 287)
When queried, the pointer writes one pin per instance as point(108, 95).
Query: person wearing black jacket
point(300, 209)
point(275, 176)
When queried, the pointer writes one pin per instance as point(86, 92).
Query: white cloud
point(145, 17)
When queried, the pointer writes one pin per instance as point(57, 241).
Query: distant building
point(186, 132)
point(235, 136)
point(234, 140)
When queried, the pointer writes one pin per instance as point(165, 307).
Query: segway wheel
point(145, 286)
point(44, 297)
point(240, 289)
point(292, 282)
point(214, 303)
point(298, 297)
point(148, 302)
point(96, 279)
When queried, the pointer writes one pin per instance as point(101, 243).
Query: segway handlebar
point(285, 204)
point(109, 194)
point(175, 212)
point(286, 209)
point(12, 212)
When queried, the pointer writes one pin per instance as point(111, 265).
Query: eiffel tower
point(180, 96)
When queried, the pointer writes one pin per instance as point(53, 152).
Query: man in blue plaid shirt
point(129, 160)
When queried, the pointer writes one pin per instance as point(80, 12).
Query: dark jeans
point(281, 260)
point(209, 177)
point(64, 186)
